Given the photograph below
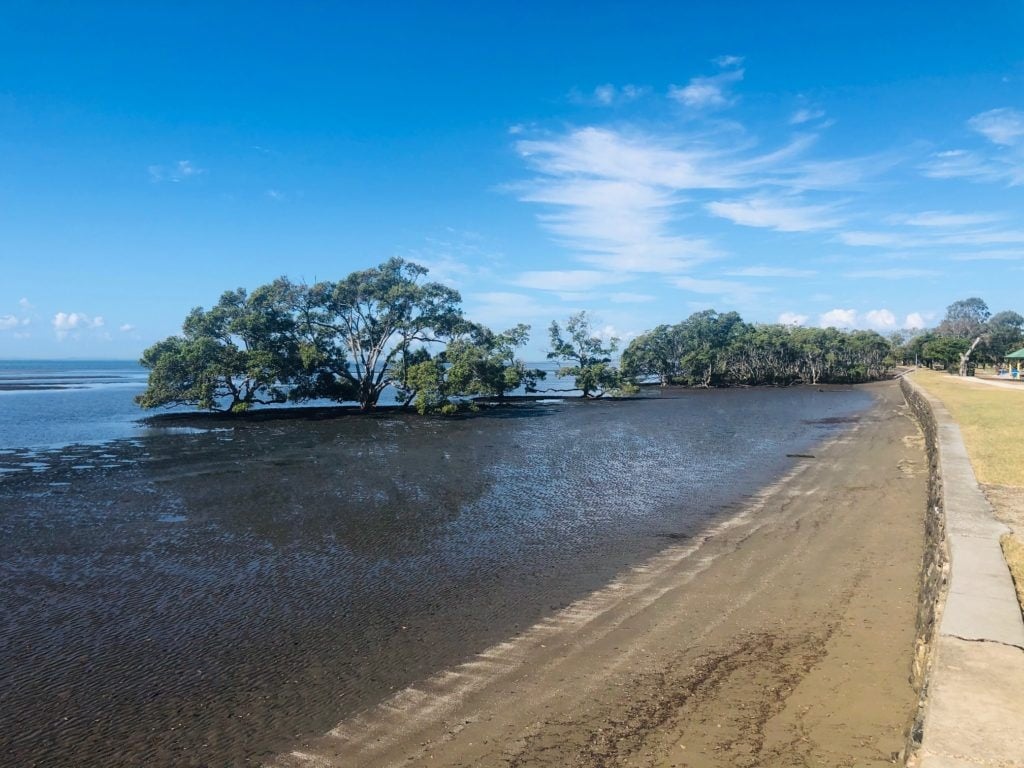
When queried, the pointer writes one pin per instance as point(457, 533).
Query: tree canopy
point(345, 340)
point(584, 355)
point(389, 327)
point(711, 349)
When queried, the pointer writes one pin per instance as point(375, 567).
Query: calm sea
point(52, 403)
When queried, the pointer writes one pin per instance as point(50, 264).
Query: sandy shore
point(783, 638)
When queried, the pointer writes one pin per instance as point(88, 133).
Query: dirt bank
point(785, 638)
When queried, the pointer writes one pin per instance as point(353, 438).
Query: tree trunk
point(966, 356)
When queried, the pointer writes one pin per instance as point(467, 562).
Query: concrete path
point(974, 715)
point(1001, 383)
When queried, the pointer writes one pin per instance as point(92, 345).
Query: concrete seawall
point(969, 661)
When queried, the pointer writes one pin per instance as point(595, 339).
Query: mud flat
point(223, 592)
point(784, 636)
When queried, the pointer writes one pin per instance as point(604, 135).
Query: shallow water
point(208, 595)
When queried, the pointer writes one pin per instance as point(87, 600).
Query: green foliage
point(655, 353)
point(376, 315)
point(228, 358)
point(945, 350)
point(426, 381)
point(1005, 335)
point(476, 361)
point(584, 356)
point(711, 349)
point(483, 362)
point(965, 319)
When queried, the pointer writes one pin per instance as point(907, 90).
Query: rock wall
point(935, 566)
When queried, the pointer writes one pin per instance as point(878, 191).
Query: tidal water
point(207, 593)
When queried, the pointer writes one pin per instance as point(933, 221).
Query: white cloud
point(612, 199)
point(502, 309)
point(608, 95)
point(1000, 126)
point(179, 171)
point(838, 318)
point(914, 320)
point(126, 328)
point(985, 237)
point(996, 255)
point(945, 219)
point(605, 94)
point(731, 292)
point(25, 304)
point(275, 194)
point(971, 166)
point(8, 322)
point(760, 211)
point(709, 92)
point(891, 273)
point(614, 195)
point(792, 318)
point(842, 173)
point(630, 298)
point(68, 323)
point(874, 319)
point(728, 61)
point(771, 272)
point(567, 279)
point(1003, 127)
point(806, 115)
point(880, 319)
point(879, 239)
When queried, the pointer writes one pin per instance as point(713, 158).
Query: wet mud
point(210, 593)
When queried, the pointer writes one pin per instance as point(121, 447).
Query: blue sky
point(858, 165)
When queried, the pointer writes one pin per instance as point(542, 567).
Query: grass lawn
point(988, 418)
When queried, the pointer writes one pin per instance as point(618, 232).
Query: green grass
point(991, 420)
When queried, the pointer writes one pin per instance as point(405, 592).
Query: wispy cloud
point(946, 219)
point(567, 279)
point(614, 196)
point(1000, 126)
point(1003, 163)
point(625, 297)
point(891, 273)
point(608, 95)
point(770, 212)
point(176, 172)
point(611, 198)
point(732, 292)
point(771, 272)
point(806, 115)
point(710, 92)
point(994, 255)
point(503, 309)
point(876, 239)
